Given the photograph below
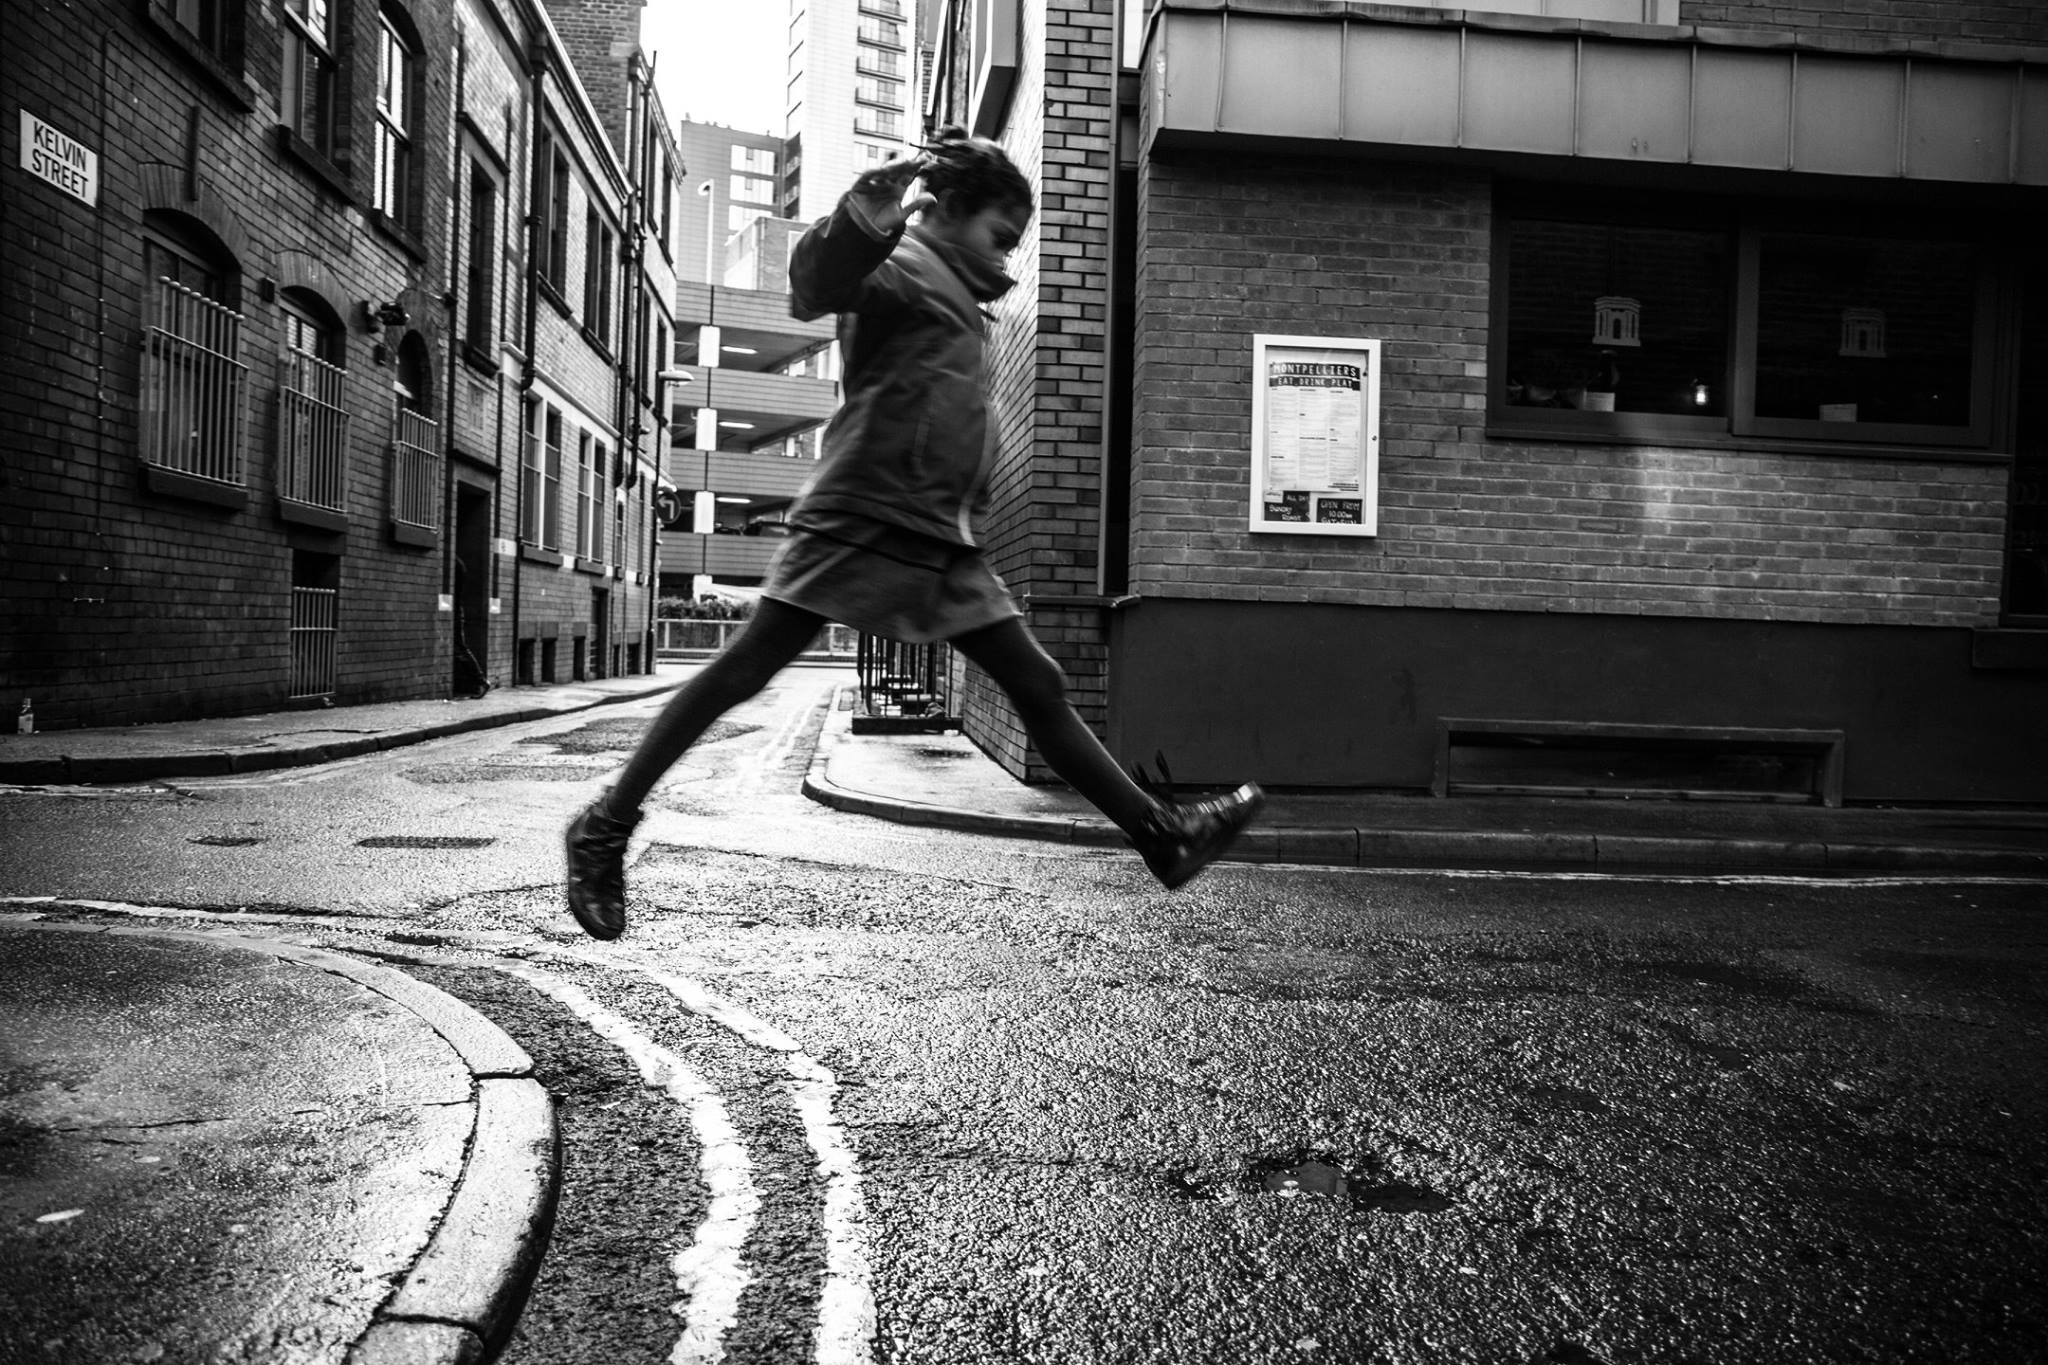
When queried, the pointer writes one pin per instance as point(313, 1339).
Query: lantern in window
point(1617, 321)
point(1863, 333)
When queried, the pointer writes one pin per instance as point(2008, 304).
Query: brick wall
point(1994, 21)
point(601, 36)
point(1047, 358)
point(1236, 246)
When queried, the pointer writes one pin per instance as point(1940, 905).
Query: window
point(415, 448)
point(879, 91)
point(1675, 317)
point(586, 493)
point(530, 465)
point(754, 160)
point(313, 421)
point(551, 485)
point(207, 23)
point(737, 216)
point(397, 100)
point(891, 8)
point(876, 61)
point(877, 122)
point(597, 277)
point(480, 265)
point(870, 154)
point(554, 220)
point(308, 97)
point(193, 379)
point(882, 32)
point(753, 188)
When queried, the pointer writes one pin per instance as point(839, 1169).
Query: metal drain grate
point(424, 841)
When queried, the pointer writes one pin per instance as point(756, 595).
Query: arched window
point(193, 379)
point(313, 421)
point(415, 447)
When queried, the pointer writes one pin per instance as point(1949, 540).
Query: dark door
point(472, 592)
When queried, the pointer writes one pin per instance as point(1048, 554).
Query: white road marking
point(711, 1270)
point(846, 1303)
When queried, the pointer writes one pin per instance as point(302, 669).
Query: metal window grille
point(192, 386)
point(314, 611)
point(416, 471)
point(312, 432)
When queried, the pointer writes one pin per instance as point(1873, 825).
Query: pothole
point(1311, 1176)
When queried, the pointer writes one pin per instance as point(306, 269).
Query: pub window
point(480, 266)
point(398, 88)
point(308, 100)
point(1695, 317)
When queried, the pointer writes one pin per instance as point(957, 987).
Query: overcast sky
point(719, 61)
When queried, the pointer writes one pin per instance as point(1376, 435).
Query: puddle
point(224, 840)
point(425, 841)
point(1311, 1176)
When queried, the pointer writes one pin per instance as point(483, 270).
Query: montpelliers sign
point(62, 160)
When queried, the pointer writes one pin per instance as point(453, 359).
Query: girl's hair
point(969, 173)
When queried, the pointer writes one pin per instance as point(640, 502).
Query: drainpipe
point(632, 366)
point(456, 203)
point(537, 92)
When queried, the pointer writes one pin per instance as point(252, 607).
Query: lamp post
point(709, 189)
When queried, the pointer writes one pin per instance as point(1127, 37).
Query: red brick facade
point(134, 594)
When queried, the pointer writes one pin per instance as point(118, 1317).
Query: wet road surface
point(853, 1091)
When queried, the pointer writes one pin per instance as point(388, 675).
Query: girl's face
point(991, 233)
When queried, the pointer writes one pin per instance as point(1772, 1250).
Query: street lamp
point(710, 190)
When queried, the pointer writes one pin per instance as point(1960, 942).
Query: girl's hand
point(885, 194)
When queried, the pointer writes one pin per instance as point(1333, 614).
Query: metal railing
point(314, 614)
point(312, 432)
point(193, 382)
point(904, 680)
point(416, 471)
point(692, 638)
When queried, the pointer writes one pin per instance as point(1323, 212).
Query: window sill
point(296, 148)
point(1510, 430)
point(308, 514)
point(399, 235)
point(596, 343)
point(554, 297)
point(419, 537)
point(208, 63)
point(593, 567)
point(480, 361)
point(2015, 649)
point(172, 483)
point(540, 556)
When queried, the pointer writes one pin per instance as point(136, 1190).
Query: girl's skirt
point(886, 580)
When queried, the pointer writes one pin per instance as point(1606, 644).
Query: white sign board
point(1315, 436)
point(62, 160)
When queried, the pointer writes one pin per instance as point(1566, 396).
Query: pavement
point(286, 1115)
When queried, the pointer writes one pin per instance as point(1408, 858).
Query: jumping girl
point(883, 535)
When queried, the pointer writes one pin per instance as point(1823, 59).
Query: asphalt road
point(853, 1091)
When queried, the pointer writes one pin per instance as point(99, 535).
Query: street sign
point(60, 159)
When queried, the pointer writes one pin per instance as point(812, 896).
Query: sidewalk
point(944, 780)
point(232, 1148)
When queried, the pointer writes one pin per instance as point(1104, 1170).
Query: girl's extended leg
point(1037, 687)
point(775, 635)
point(1177, 841)
point(597, 837)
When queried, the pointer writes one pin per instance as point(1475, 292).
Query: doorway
point(472, 677)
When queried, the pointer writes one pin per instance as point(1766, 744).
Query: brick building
point(269, 333)
point(1575, 395)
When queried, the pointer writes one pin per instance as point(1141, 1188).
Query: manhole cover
point(424, 841)
point(224, 840)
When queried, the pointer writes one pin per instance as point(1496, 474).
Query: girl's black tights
point(777, 633)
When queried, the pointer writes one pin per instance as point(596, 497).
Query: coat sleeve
point(841, 265)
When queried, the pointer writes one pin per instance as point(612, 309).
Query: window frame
point(1744, 222)
point(481, 260)
point(300, 40)
point(396, 132)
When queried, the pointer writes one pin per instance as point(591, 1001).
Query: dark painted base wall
point(1349, 696)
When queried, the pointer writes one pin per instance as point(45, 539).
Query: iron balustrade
point(685, 637)
point(416, 471)
point(312, 432)
point(897, 679)
point(315, 612)
point(193, 382)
